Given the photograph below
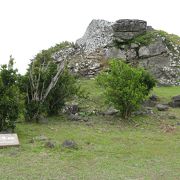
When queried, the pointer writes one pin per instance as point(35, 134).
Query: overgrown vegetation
point(48, 84)
point(147, 148)
point(107, 145)
point(126, 87)
point(9, 97)
point(44, 88)
point(143, 39)
point(172, 41)
point(147, 38)
point(59, 47)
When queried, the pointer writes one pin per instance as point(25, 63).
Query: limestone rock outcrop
point(153, 49)
point(98, 34)
point(128, 39)
point(126, 29)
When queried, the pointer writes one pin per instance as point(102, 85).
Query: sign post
point(9, 140)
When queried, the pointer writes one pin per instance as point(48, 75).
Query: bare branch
point(54, 79)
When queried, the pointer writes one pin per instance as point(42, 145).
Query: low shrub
point(9, 97)
point(47, 85)
point(125, 86)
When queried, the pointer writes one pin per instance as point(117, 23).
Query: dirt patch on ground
point(167, 128)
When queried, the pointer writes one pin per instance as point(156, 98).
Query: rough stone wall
point(98, 34)
point(93, 50)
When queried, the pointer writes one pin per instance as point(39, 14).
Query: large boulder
point(162, 107)
point(70, 144)
point(115, 52)
point(126, 29)
point(153, 49)
point(129, 25)
point(175, 101)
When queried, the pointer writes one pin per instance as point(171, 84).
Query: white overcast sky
point(28, 26)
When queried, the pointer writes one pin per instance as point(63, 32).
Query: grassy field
point(108, 147)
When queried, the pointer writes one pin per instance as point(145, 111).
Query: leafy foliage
point(146, 38)
point(65, 88)
point(41, 74)
point(9, 96)
point(125, 87)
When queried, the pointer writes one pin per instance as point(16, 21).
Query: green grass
point(108, 148)
point(95, 98)
point(166, 93)
point(150, 36)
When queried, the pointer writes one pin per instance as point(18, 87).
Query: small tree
point(125, 87)
point(65, 88)
point(9, 96)
point(47, 84)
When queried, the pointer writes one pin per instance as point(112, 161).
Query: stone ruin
point(99, 44)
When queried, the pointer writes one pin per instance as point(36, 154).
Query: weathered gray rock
point(126, 29)
point(154, 97)
point(87, 64)
point(129, 25)
point(149, 103)
point(65, 53)
point(98, 34)
point(101, 33)
point(133, 45)
point(74, 117)
point(125, 36)
point(49, 144)
point(120, 53)
point(144, 51)
point(72, 108)
point(115, 52)
point(149, 110)
point(154, 49)
point(162, 107)
point(157, 47)
point(70, 144)
point(156, 65)
point(144, 111)
point(111, 111)
point(131, 54)
point(175, 101)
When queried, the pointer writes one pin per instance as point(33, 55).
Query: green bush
point(9, 97)
point(40, 74)
point(125, 87)
point(65, 88)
